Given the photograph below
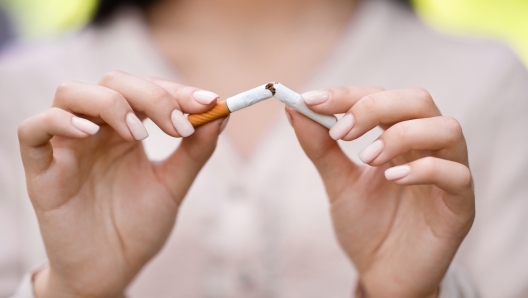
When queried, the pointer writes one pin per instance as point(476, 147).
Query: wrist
point(45, 287)
point(436, 294)
point(41, 284)
point(46, 284)
point(361, 292)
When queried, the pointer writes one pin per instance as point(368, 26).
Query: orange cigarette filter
point(258, 94)
point(219, 111)
point(233, 104)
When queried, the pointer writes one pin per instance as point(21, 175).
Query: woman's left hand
point(401, 217)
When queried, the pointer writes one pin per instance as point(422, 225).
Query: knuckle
point(429, 165)
point(465, 177)
point(354, 92)
point(401, 130)
point(111, 76)
point(176, 90)
point(63, 89)
point(425, 97)
point(26, 128)
point(23, 130)
point(423, 94)
point(65, 86)
point(50, 115)
point(369, 103)
point(113, 99)
point(377, 89)
point(157, 95)
point(453, 126)
point(339, 90)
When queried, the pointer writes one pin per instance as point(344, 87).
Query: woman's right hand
point(103, 208)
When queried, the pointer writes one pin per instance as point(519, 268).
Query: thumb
point(333, 165)
point(181, 168)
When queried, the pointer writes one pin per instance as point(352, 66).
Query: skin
point(94, 195)
point(401, 235)
point(103, 208)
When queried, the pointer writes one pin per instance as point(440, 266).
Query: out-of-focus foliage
point(505, 20)
point(6, 33)
point(39, 18)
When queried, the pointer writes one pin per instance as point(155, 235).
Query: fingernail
point(397, 172)
point(315, 97)
point(136, 127)
point(288, 116)
point(223, 125)
point(205, 97)
point(342, 127)
point(181, 123)
point(85, 125)
point(371, 152)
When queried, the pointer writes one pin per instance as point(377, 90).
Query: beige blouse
point(260, 227)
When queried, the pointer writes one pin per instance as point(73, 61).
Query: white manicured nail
point(181, 123)
point(397, 172)
point(84, 125)
point(315, 97)
point(205, 97)
point(136, 127)
point(371, 152)
point(288, 116)
point(342, 127)
point(223, 125)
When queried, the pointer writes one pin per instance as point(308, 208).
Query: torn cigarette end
point(271, 88)
point(219, 111)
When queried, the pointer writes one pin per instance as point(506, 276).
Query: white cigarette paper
point(295, 101)
point(248, 98)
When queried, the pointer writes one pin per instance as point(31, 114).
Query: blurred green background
point(505, 20)
point(42, 18)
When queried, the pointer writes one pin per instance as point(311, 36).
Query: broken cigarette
point(255, 95)
point(233, 104)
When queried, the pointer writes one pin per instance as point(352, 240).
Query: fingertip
point(205, 97)
point(136, 127)
point(315, 97)
point(371, 152)
point(342, 127)
point(85, 126)
point(397, 173)
point(181, 124)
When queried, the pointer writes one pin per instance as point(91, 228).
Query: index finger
point(337, 100)
point(35, 133)
point(203, 100)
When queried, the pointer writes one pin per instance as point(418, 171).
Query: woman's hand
point(401, 217)
point(103, 208)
